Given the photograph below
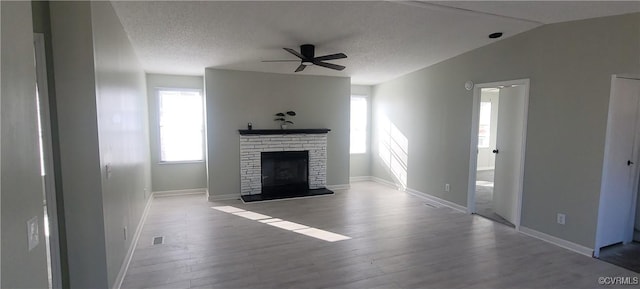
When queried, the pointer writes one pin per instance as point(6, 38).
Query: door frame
point(47, 150)
point(636, 171)
point(473, 147)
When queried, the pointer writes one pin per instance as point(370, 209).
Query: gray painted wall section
point(234, 98)
point(20, 180)
point(172, 176)
point(79, 149)
point(123, 133)
point(360, 164)
point(570, 66)
point(101, 105)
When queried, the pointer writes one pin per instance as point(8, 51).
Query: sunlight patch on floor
point(228, 209)
point(291, 226)
point(251, 215)
point(282, 224)
point(322, 234)
point(270, 220)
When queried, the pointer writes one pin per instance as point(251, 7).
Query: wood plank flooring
point(623, 255)
point(396, 242)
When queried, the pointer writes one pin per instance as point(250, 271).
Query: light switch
point(33, 236)
point(107, 169)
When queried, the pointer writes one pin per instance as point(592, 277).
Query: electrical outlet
point(33, 235)
point(447, 187)
point(561, 218)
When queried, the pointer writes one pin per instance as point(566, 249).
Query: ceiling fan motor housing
point(307, 50)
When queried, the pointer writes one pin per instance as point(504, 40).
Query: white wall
point(102, 117)
point(234, 98)
point(172, 176)
point(570, 66)
point(360, 164)
point(20, 180)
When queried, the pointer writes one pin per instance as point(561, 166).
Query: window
point(181, 125)
point(484, 130)
point(358, 125)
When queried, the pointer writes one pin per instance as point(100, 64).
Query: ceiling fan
point(307, 58)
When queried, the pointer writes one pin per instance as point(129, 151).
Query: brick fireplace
point(253, 143)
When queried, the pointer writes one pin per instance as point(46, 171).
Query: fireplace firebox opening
point(284, 173)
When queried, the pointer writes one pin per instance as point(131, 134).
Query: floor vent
point(158, 240)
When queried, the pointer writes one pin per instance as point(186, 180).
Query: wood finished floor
point(397, 242)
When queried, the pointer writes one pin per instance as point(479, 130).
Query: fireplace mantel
point(283, 131)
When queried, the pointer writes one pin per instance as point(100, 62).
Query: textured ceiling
point(549, 11)
point(383, 40)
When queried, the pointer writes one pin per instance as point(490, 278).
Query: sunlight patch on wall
point(393, 149)
point(282, 224)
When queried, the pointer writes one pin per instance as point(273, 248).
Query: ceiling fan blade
point(297, 60)
point(296, 53)
point(330, 57)
point(301, 68)
point(329, 65)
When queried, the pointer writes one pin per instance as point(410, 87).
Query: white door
point(617, 194)
point(508, 151)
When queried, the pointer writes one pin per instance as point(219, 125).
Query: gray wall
point(234, 98)
point(360, 164)
point(570, 66)
point(20, 180)
point(122, 131)
point(172, 176)
point(101, 104)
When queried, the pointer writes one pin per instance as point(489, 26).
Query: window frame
point(367, 124)
point(159, 130)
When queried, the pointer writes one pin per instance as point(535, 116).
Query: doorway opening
point(618, 231)
point(496, 169)
point(485, 171)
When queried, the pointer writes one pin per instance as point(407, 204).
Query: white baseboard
point(339, 187)
point(134, 242)
point(214, 198)
point(161, 194)
point(557, 241)
point(360, 179)
point(385, 182)
point(437, 201)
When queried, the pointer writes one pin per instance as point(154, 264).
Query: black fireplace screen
point(284, 172)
